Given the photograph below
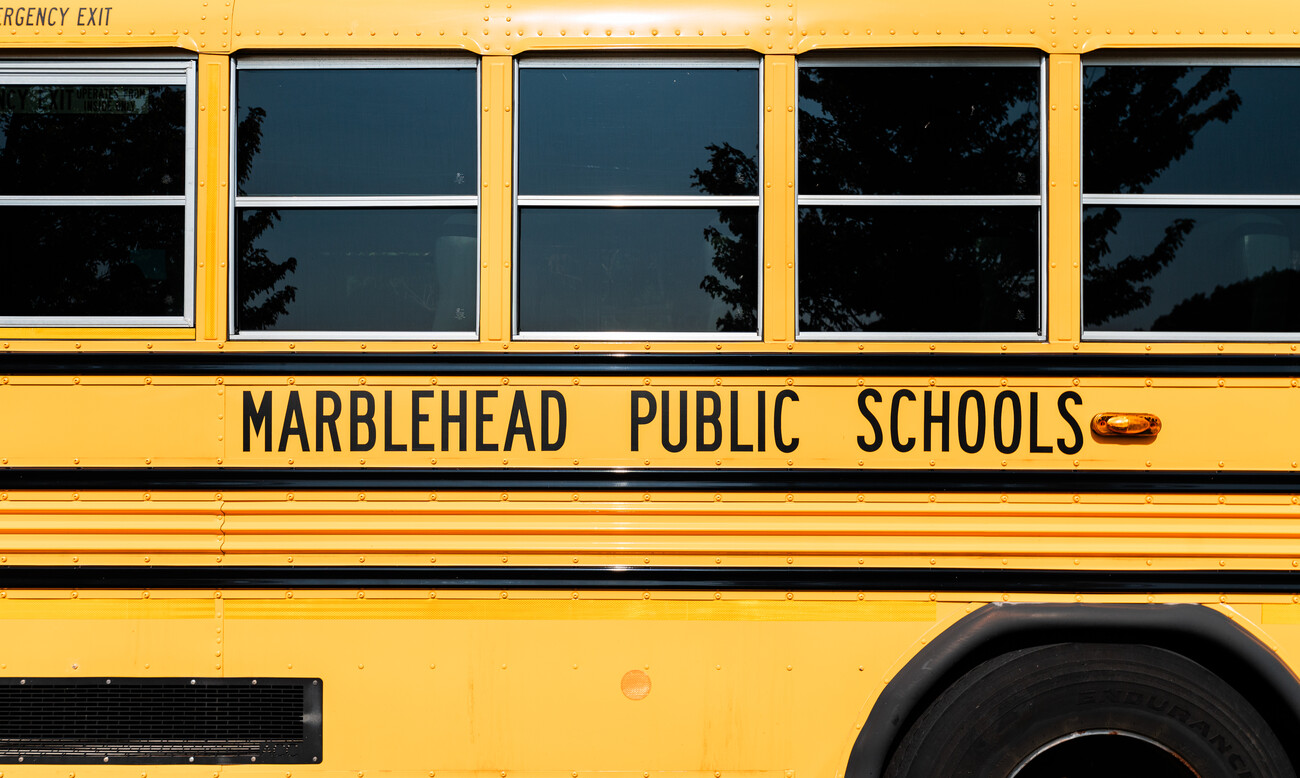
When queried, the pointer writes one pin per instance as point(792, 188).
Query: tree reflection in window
point(621, 223)
point(1137, 121)
point(735, 284)
point(1170, 243)
point(263, 295)
point(99, 257)
point(957, 134)
point(354, 207)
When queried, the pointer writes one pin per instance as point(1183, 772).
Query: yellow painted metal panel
point(773, 421)
point(290, 24)
point(779, 211)
point(580, 610)
point(1064, 201)
point(1014, 531)
point(213, 204)
point(829, 23)
point(472, 688)
point(103, 637)
point(482, 692)
point(957, 530)
point(768, 27)
point(1258, 24)
point(760, 422)
point(75, 423)
point(496, 213)
point(192, 25)
point(503, 28)
point(106, 609)
point(1288, 614)
point(115, 334)
point(139, 528)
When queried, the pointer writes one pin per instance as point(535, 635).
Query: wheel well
point(1201, 634)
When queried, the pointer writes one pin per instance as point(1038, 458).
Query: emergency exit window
point(97, 194)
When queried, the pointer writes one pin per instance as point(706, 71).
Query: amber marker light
point(635, 685)
point(1126, 424)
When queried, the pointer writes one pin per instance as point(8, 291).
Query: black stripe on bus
point(654, 578)
point(638, 364)
point(664, 480)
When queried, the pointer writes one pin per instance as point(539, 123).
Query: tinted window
point(1162, 129)
point(373, 270)
point(918, 269)
point(354, 265)
point(93, 261)
point(644, 131)
point(676, 260)
point(1166, 246)
point(1192, 269)
point(96, 165)
point(638, 269)
point(966, 258)
point(360, 132)
point(918, 130)
point(92, 139)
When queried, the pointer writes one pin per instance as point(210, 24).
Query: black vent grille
point(160, 720)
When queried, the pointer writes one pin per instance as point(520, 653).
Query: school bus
point(541, 388)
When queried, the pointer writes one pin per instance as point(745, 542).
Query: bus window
point(356, 201)
point(1191, 220)
point(920, 198)
point(638, 199)
point(96, 194)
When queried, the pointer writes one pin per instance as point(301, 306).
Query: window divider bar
point(382, 201)
point(1185, 336)
point(641, 201)
point(920, 200)
point(171, 72)
point(344, 61)
point(948, 337)
point(351, 335)
point(626, 336)
point(1191, 199)
point(56, 322)
point(1176, 57)
point(924, 58)
point(120, 200)
point(646, 60)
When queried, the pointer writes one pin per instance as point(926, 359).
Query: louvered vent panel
point(160, 720)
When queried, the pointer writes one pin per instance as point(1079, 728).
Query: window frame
point(930, 59)
point(633, 61)
point(354, 202)
point(120, 72)
point(1189, 58)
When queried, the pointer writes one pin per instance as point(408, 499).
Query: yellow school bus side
point(504, 557)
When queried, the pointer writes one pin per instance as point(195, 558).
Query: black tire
point(1000, 713)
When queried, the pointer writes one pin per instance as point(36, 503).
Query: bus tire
point(997, 719)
